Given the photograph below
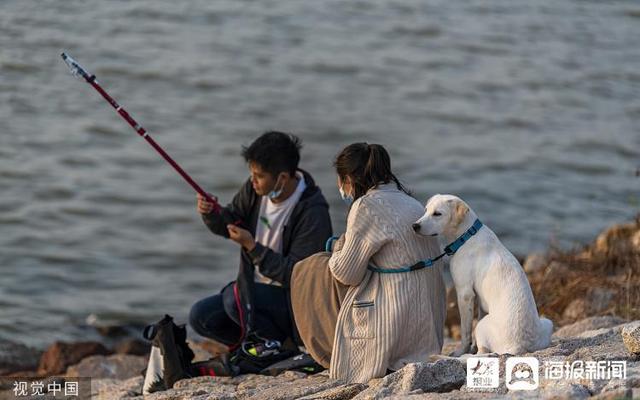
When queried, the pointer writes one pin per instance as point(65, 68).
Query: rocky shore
point(592, 294)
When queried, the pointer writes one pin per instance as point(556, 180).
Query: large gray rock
point(342, 392)
point(221, 392)
point(588, 324)
point(453, 395)
point(569, 392)
point(600, 344)
point(16, 357)
point(596, 345)
point(249, 385)
point(560, 389)
point(117, 366)
point(440, 376)
point(60, 355)
point(631, 337)
point(206, 381)
point(289, 385)
point(113, 389)
point(211, 387)
point(295, 389)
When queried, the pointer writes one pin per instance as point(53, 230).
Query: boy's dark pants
point(271, 318)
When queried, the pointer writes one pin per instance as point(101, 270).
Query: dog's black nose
point(416, 227)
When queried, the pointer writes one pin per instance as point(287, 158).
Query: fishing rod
point(78, 71)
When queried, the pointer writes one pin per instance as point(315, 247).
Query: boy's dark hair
point(274, 152)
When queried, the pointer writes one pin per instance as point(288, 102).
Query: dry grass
point(611, 264)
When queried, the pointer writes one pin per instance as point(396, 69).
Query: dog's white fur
point(485, 269)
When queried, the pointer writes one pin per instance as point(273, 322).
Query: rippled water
point(531, 112)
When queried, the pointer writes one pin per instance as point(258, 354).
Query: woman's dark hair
point(274, 152)
point(368, 165)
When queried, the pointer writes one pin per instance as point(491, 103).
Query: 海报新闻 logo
point(522, 373)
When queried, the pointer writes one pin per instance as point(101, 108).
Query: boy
point(278, 217)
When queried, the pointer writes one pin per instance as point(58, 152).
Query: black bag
point(302, 362)
point(217, 366)
point(251, 357)
point(170, 358)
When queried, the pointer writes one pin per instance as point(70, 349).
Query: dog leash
point(449, 250)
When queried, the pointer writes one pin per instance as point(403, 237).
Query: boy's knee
point(195, 316)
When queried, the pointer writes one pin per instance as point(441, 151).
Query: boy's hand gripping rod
point(77, 70)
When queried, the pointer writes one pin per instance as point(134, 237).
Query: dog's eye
point(436, 213)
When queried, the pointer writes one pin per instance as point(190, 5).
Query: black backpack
point(257, 355)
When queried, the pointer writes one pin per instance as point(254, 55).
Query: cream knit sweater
point(386, 320)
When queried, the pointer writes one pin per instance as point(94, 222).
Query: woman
point(357, 317)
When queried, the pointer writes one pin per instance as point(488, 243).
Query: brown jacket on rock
point(316, 297)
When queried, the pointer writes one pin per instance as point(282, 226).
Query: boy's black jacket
point(306, 232)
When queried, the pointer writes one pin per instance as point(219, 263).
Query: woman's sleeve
point(362, 239)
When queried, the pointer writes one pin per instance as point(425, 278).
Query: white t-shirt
point(271, 222)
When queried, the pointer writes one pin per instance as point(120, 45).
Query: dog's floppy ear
point(461, 210)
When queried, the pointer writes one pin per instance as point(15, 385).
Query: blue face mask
point(274, 194)
point(347, 198)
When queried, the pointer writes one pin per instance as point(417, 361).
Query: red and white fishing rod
point(77, 70)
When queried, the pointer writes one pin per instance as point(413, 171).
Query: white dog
point(483, 267)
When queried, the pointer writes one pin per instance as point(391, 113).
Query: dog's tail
point(545, 329)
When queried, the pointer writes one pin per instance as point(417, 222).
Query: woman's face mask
point(347, 198)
